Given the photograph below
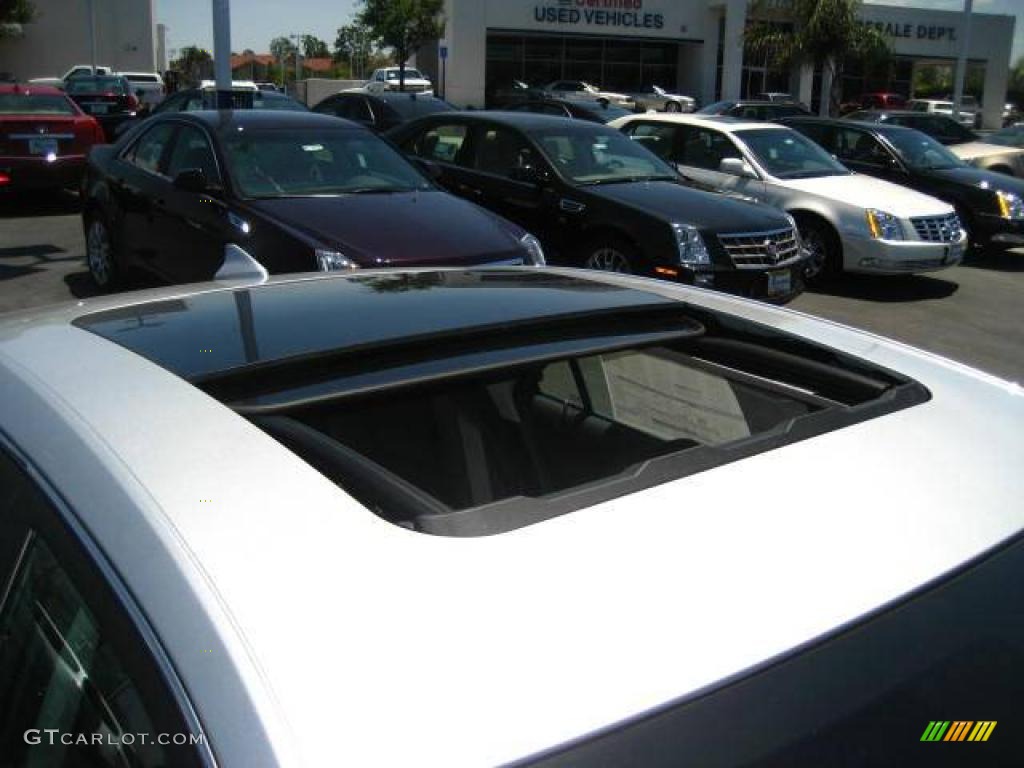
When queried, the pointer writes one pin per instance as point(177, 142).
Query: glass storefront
point(623, 65)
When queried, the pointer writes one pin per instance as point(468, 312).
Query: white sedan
point(848, 222)
point(470, 518)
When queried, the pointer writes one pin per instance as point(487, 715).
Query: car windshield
point(715, 108)
point(786, 154)
point(297, 163)
point(600, 156)
point(96, 85)
point(410, 74)
point(34, 104)
point(921, 151)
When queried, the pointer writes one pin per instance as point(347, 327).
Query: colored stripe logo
point(958, 730)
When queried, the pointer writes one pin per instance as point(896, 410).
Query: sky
point(254, 23)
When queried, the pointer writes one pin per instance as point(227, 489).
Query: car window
point(657, 137)
point(861, 147)
point(77, 685)
point(35, 104)
point(442, 143)
point(788, 154)
point(354, 108)
point(921, 151)
point(599, 155)
point(148, 151)
point(822, 135)
point(192, 151)
point(275, 163)
point(500, 151)
point(704, 148)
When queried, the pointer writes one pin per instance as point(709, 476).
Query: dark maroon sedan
point(44, 137)
point(297, 190)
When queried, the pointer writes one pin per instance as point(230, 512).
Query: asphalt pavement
point(973, 313)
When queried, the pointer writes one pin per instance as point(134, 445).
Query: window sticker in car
point(672, 401)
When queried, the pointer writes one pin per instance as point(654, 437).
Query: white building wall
point(58, 38)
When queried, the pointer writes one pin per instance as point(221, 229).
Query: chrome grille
point(937, 229)
point(755, 250)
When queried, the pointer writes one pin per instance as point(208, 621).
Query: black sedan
point(298, 191)
point(599, 200)
point(108, 99)
point(990, 205)
point(755, 109)
point(594, 111)
point(381, 111)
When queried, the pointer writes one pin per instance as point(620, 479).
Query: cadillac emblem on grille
point(771, 250)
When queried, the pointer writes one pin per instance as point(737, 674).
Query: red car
point(44, 137)
point(883, 101)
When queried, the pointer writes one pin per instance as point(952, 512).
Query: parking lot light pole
point(222, 51)
point(92, 35)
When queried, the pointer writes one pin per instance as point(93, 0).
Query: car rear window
point(34, 104)
point(475, 403)
point(143, 78)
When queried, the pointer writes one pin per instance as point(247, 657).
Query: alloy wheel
point(99, 253)
point(609, 259)
point(817, 248)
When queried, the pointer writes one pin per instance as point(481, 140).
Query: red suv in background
point(876, 100)
point(44, 137)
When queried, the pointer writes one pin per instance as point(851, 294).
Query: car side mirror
point(191, 180)
point(735, 166)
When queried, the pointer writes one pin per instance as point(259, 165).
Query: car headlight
point(533, 249)
point(1010, 205)
point(883, 226)
point(332, 261)
point(692, 251)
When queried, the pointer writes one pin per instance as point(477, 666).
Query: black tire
point(826, 262)
point(611, 254)
point(967, 224)
point(101, 255)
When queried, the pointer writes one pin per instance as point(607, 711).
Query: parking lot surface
point(973, 313)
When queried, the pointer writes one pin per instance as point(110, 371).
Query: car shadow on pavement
point(28, 204)
point(81, 286)
point(888, 288)
point(998, 261)
point(41, 256)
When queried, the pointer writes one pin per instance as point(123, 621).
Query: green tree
point(281, 48)
point(403, 26)
point(194, 63)
point(354, 44)
point(314, 48)
point(824, 34)
point(1015, 88)
point(13, 12)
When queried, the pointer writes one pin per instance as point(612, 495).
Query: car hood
point(868, 192)
point(410, 228)
point(978, 177)
point(676, 202)
point(975, 149)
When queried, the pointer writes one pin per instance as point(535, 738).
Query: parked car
point(381, 111)
point(582, 90)
point(963, 142)
point(195, 99)
point(882, 100)
point(387, 79)
point(298, 191)
point(148, 87)
point(502, 94)
point(749, 109)
point(271, 87)
point(598, 200)
point(1011, 136)
point(559, 478)
point(990, 206)
point(108, 99)
point(80, 70)
point(848, 222)
point(1011, 114)
point(657, 98)
point(44, 138)
point(594, 111)
point(943, 107)
point(236, 85)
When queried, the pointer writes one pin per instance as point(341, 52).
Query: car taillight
point(4, 179)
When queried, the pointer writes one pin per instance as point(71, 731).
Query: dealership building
point(60, 36)
point(692, 47)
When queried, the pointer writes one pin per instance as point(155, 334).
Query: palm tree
point(824, 34)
